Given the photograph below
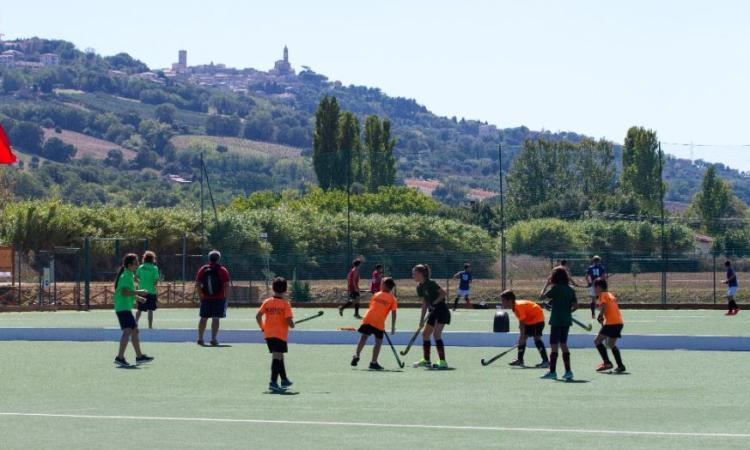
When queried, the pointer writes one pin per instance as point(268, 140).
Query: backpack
point(211, 282)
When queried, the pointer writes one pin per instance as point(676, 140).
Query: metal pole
point(184, 264)
point(350, 256)
point(13, 271)
point(714, 292)
point(53, 279)
point(78, 279)
point(663, 235)
point(203, 223)
point(503, 254)
point(210, 192)
point(87, 272)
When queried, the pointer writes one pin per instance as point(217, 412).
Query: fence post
point(184, 263)
point(117, 252)
point(14, 270)
point(87, 272)
point(20, 279)
point(714, 271)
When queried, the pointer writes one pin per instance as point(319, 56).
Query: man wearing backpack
point(212, 283)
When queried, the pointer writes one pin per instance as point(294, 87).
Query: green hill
point(156, 121)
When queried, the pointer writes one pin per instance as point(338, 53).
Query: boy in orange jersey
point(531, 324)
point(611, 320)
point(278, 320)
point(381, 304)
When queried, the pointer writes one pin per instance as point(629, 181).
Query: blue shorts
point(126, 319)
point(213, 309)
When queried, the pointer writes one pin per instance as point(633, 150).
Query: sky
point(594, 67)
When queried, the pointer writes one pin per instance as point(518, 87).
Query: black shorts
point(276, 345)
point(534, 330)
point(369, 329)
point(558, 335)
point(215, 309)
point(126, 319)
point(354, 296)
point(439, 314)
point(149, 304)
point(611, 331)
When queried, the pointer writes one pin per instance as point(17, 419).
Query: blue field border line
point(325, 337)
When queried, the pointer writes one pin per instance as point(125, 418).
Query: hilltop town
point(278, 81)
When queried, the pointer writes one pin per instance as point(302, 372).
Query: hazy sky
point(594, 67)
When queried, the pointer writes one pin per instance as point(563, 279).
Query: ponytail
point(423, 269)
point(129, 259)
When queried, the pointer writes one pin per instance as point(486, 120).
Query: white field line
point(386, 425)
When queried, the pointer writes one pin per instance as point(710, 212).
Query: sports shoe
point(214, 343)
point(144, 358)
point(200, 342)
point(286, 384)
point(121, 362)
point(341, 311)
point(728, 313)
point(549, 376)
point(355, 360)
point(357, 316)
point(620, 369)
point(568, 376)
point(375, 366)
point(274, 387)
point(443, 364)
point(605, 366)
point(423, 363)
point(736, 310)
point(516, 363)
point(543, 365)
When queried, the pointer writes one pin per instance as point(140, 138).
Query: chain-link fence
point(82, 275)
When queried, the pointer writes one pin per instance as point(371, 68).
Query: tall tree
point(325, 141)
point(381, 164)
point(641, 177)
point(597, 169)
point(715, 202)
point(389, 159)
point(349, 151)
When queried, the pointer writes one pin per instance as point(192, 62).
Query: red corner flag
point(6, 154)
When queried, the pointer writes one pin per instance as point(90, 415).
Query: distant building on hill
point(49, 59)
point(282, 66)
point(181, 64)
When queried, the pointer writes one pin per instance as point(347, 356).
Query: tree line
point(342, 159)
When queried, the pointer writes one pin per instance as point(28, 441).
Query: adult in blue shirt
point(464, 286)
point(732, 286)
point(594, 272)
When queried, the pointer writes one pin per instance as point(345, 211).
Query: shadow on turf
point(573, 381)
point(371, 370)
point(281, 393)
point(215, 346)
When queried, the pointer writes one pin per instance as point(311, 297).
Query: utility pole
point(503, 255)
point(664, 252)
point(350, 257)
point(203, 223)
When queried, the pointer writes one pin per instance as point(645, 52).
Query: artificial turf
point(680, 392)
point(681, 322)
